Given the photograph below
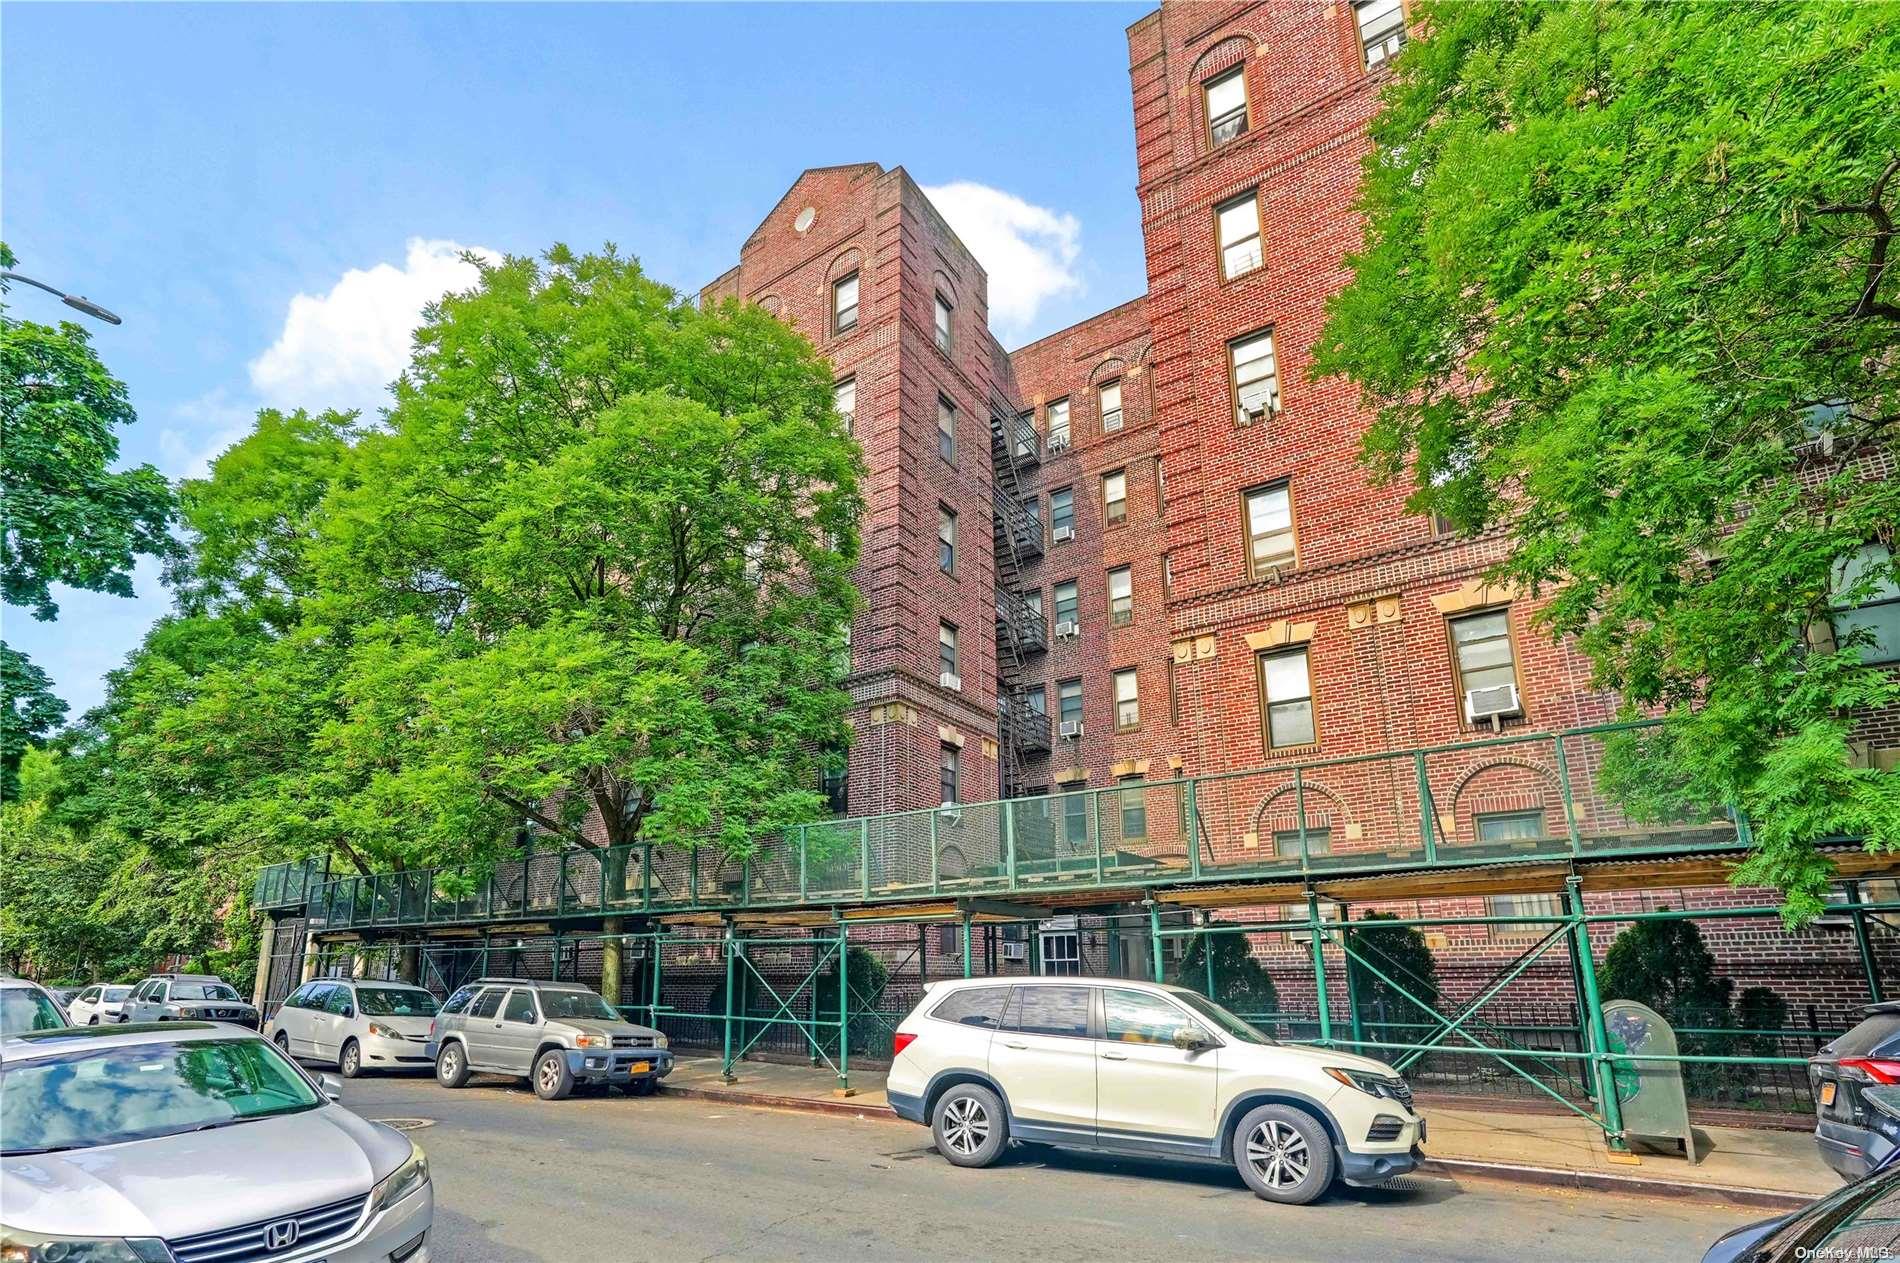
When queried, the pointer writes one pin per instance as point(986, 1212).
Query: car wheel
point(93, 1020)
point(349, 1062)
point(451, 1066)
point(968, 1125)
point(1284, 1154)
point(282, 1041)
point(552, 1079)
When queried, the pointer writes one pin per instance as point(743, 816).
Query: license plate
point(1827, 1092)
point(640, 1067)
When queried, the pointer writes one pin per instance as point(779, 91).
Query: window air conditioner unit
point(1015, 951)
point(1063, 534)
point(1068, 628)
point(950, 813)
point(1070, 728)
point(1058, 442)
point(1494, 702)
point(950, 681)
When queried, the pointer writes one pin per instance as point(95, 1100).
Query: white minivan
point(98, 1003)
point(1145, 1068)
point(356, 1025)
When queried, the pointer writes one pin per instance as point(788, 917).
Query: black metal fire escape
point(1014, 447)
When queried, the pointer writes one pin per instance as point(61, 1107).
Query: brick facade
point(1369, 591)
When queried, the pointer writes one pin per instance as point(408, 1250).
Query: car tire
point(968, 1125)
point(282, 1040)
point(552, 1079)
point(1284, 1154)
point(93, 1020)
point(451, 1066)
point(349, 1060)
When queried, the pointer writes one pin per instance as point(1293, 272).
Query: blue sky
point(264, 192)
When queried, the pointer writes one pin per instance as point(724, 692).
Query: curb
point(1546, 1177)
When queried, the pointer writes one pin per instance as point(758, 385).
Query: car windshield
point(202, 991)
point(1223, 1021)
point(27, 1009)
point(576, 1004)
point(395, 1002)
point(105, 1096)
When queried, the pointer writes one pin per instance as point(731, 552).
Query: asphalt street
point(621, 1178)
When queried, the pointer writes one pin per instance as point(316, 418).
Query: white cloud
point(1029, 251)
point(201, 429)
point(343, 349)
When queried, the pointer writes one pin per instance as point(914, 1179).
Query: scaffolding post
point(1207, 955)
point(732, 947)
point(966, 942)
point(1154, 939)
point(1867, 964)
point(844, 1012)
point(1352, 983)
point(1599, 1037)
point(1319, 969)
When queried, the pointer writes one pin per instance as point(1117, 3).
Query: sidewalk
point(1765, 1168)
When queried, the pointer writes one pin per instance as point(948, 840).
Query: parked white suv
point(1143, 1068)
point(356, 1025)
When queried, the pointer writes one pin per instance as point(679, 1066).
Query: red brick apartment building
point(1144, 547)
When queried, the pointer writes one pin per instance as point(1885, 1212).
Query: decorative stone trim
point(1280, 634)
point(1129, 767)
point(1475, 594)
point(1371, 613)
point(949, 736)
point(892, 713)
point(989, 748)
point(1071, 776)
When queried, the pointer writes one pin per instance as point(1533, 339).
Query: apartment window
point(1443, 526)
point(1069, 701)
point(1511, 826)
point(1115, 497)
point(1523, 906)
point(1036, 698)
point(1286, 692)
point(1127, 700)
point(844, 398)
point(1167, 576)
point(844, 304)
point(1878, 612)
point(1062, 511)
point(1075, 819)
point(1381, 28)
point(947, 648)
point(1269, 528)
point(946, 429)
point(833, 783)
point(1482, 654)
point(1121, 597)
point(1033, 602)
point(943, 318)
point(1161, 488)
point(1254, 377)
point(1032, 509)
point(1286, 842)
point(1134, 805)
point(1237, 224)
point(950, 772)
point(1068, 602)
point(754, 560)
point(1174, 699)
point(946, 539)
point(1057, 415)
point(1226, 105)
point(1110, 399)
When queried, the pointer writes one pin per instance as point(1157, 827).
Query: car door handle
point(1009, 1044)
point(1113, 1056)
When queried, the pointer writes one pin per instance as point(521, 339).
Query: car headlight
point(593, 1041)
point(17, 1245)
point(383, 1032)
point(404, 1180)
point(659, 1041)
point(1364, 1080)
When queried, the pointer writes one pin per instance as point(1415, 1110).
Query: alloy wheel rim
point(1278, 1154)
point(966, 1125)
point(449, 1062)
point(550, 1074)
point(349, 1060)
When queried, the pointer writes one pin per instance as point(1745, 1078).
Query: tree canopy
point(586, 580)
point(1627, 299)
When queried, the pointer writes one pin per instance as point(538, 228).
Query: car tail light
point(901, 1041)
point(1875, 1068)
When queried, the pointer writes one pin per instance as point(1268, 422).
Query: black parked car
point(1867, 1056)
point(1858, 1222)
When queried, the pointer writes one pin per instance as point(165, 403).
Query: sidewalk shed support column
point(1593, 1012)
point(844, 1012)
point(1352, 980)
point(1319, 969)
point(732, 947)
point(1860, 940)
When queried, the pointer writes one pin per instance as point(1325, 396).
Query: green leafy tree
point(1667, 966)
point(1401, 953)
point(68, 517)
point(1622, 264)
point(29, 713)
point(1240, 982)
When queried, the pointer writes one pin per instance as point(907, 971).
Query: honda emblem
point(281, 1235)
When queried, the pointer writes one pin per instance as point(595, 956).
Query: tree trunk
point(612, 953)
point(410, 970)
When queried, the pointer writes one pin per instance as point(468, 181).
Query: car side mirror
point(1191, 1039)
point(332, 1086)
point(349, 1010)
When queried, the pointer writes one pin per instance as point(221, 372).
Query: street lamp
point(75, 301)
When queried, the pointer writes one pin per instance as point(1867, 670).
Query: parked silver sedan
point(356, 1025)
point(188, 1142)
